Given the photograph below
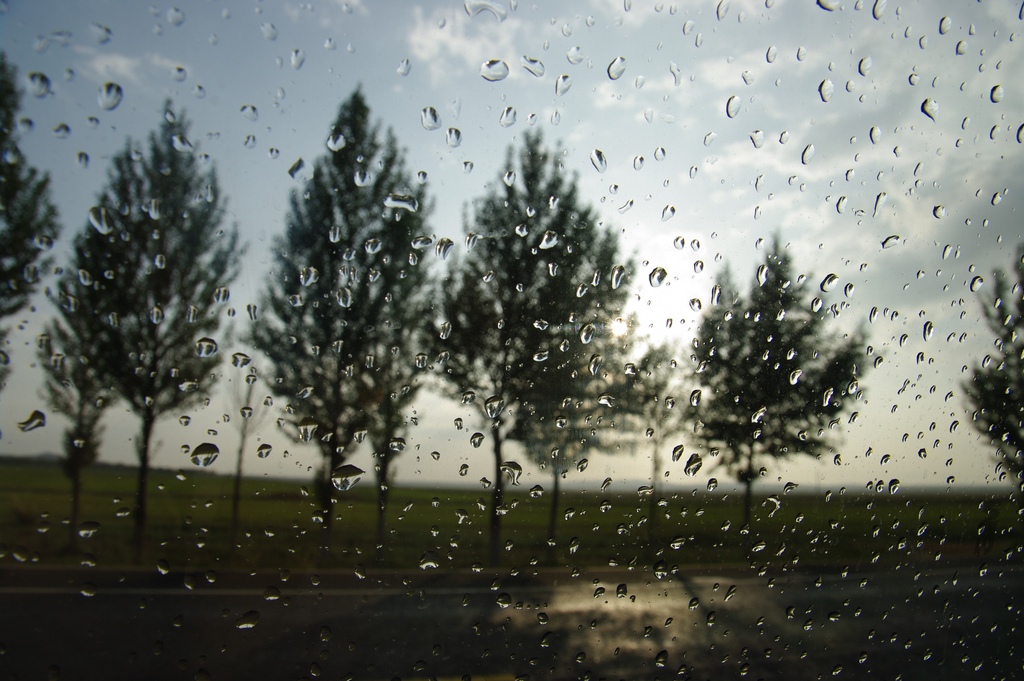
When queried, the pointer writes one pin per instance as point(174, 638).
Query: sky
point(838, 126)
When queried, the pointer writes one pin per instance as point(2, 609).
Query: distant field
point(190, 516)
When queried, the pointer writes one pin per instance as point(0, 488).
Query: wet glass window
point(491, 339)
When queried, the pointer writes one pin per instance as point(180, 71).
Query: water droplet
point(668, 212)
point(476, 439)
point(606, 399)
point(248, 620)
point(581, 465)
point(110, 96)
point(206, 347)
point(100, 220)
point(562, 84)
point(36, 419)
point(429, 118)
point(618, 274)
point(345, 477)
point(493, 406)
point(828, 283)
point(507, 118)
point(298, 59)
point(826, 89)
point(180, 143)
point(759, 415)
point(549, 240)
point(732, 106)
point(403, 201)
point(296, 167)
point(453, 137)
point(930, 108)
point(513, 470)
point(928, 331)
point(771, 54)
point(249, 111)
point(976, 283)
point(475, 7)
point(794, 376)
point(617, 68)
point(494, 70)
point(829, 5)
point(205, 454)
point(268, 30)
point(443, 247)
point(38, 84)
point(695, 398)
point(657, 276)
point(263, 451)
point(878, 9)
point(693, 464)
point(762, 275)
point(534, 66)
point(945, 23)
point(396, 444)
point(894, 486)
point(996, 95)
point(598, 159)
point(807, 154)
point(307, 428)
point(587, 333)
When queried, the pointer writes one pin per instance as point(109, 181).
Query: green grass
point(189, 520)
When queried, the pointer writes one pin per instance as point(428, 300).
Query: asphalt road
point(942, 624)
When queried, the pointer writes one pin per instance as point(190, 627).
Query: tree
point(74, 387)
point(28, 218)
point(347, 296)
point(995, 390)
point(528, 302)
point(147, 276)
point(773, 377)
point(656, 407)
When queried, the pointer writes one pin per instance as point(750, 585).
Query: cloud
point(125, 70)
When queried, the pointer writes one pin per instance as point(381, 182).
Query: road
point(940, 624)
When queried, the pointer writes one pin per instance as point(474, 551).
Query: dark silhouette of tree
point(657, 410)
point(28, 218)
point(147, 276)
point(773, 377)
point(74, 387)
point(346, 298)
point(995, 390)
point(528, 303)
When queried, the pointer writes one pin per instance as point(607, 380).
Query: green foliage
point(28, 217)
point(344, 311)
point(996, 388)
point(530, 305)
point(774, 379)
point(147, 275)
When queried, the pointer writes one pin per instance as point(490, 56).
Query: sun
point(619, 327)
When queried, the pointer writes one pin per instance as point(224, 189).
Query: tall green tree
point(28, 217)
point(74, 387)
point(773, 375)
point(528, 302)
point(995, 390)
point(345, 302)
point(148, 275)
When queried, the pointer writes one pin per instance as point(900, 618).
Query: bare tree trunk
point(383, 488)
point(748, 479)
point(142, 484)
point(236, 494)
point(556, 493)
point(497, 496)
point(652, 513)
point(76, 502)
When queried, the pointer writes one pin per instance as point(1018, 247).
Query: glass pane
point(500, 340)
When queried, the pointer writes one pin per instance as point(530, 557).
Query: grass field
point(190, 518)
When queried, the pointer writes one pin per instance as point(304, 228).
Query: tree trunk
point(383, 487)
point(325, 494)
point(497, 496)
point(76, 502)
point(556, 493)
point(142, 483)
point(652, 513)
point(748, 479)
point(236, 494)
